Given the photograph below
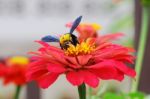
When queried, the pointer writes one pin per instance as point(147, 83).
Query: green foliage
point(146, 3)
point(137, 95)
point(113, 96)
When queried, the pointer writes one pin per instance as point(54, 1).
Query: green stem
point(18, 88)
point(141, 48)
point(82, 91)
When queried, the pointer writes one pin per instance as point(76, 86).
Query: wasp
point(66, 39)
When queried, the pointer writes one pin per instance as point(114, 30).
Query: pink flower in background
point(86, 30)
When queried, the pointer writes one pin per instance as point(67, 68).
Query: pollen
point(95, 26)
point(20, 60)
point(85, 47)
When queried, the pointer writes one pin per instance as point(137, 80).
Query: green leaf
point(137, 95)
point(113, 96)
point(146, 3)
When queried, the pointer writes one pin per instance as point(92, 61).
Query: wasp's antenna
point(50, 38)
point(75, 24)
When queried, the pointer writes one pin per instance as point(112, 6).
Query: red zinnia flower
point(13, 70)
point(84, 63)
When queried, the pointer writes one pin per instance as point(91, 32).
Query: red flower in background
point(86, 30)
point(13, 70)
point(87, 62)
point(1, 69)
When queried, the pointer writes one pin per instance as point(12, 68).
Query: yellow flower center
point(83, 48)
point(95, 26)
point(20, 60)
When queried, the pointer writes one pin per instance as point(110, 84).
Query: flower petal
point(83, 59)
point(2, 69)
point(125, 69)
point(72, 62)
point(49, 47)
point(31, 75)
point(58, 56)
point(48, 79)
point(56, 68)
point(119, 76)
point(102, 64)
point(105, 70)
point(108, 37)
point(43, 43)
point(89, 78)
point(74, 78)
point(36, 70)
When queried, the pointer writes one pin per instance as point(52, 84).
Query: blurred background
point(23, 21)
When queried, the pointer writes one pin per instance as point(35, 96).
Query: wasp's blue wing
point(50, 38)
point(75, 24)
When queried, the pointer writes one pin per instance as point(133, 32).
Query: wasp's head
point(67, 39)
